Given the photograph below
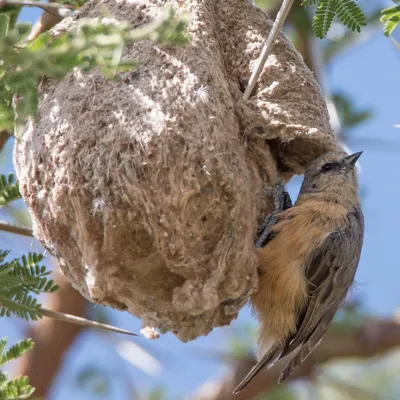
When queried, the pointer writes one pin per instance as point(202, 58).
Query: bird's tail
point(269, 359)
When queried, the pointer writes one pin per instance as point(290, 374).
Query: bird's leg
point(282, 202)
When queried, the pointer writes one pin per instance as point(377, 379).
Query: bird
point(308, 255)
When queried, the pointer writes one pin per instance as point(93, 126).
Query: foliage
point(19, 278)
point(391, 18)
point(94, 43)
point(9, 190)
point(347, 11)
point(76, 3)
point(347, 39)
point(19, 387)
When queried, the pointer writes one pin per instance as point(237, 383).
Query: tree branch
point(50, 6)
point(371, 339)
point(4, 136)
point(267, 48)
point(73, 319)
point(12, 228)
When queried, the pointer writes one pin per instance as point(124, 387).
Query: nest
point(149, 190)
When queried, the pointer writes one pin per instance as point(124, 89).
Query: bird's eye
point(327, 167)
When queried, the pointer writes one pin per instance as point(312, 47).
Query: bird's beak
point(352, 159)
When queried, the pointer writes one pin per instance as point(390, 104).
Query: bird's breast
point(282, 288)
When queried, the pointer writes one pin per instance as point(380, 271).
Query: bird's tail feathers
point(304, 352)
point(267, 361)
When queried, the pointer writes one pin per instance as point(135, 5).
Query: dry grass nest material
point(149, 190)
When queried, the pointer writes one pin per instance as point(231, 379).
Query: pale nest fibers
point(149, 190)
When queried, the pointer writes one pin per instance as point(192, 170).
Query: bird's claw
point(282, 198)
point(282, 202)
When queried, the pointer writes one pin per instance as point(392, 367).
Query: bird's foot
point(282, 198)
point(282, 202)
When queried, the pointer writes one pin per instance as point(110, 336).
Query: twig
point(395, 42)
point(12, 228)
point(59, 316)
point(273, 34)
point(32, 3)
point(4, 136)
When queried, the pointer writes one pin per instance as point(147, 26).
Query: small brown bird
point(307, 263)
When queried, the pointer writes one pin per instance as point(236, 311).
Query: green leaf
point(391, 25)
point(18, 279)
point(19, 387)
point(4, 24)
point(351, 14)
point(391, 17)
point(347, 11)
point(323, 18)
point(3, 344)
point(9, 190)
point(16, 351)
point(389, 12)
point(93, 43)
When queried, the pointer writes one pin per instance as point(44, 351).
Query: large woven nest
point(149, 191)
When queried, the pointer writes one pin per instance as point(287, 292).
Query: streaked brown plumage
point(308, 263)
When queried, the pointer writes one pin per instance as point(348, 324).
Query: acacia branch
point(73, 319)
point(4, 136)
point(269, 43)
point(50, 6)
point(373, 338)
point(12, 228)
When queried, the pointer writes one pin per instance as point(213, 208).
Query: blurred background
point(360, 356)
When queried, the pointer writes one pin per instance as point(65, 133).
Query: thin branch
point(59, 316)
point(32, 3)
point(4, 136)
point(13, 228)
point(267, 48)
point(395, 42)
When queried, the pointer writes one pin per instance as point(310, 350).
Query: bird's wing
point(269, 358)
point(330, 273)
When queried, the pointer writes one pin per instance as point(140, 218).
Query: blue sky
point(370, 74)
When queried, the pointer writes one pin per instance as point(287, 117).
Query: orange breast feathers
point(282, 284)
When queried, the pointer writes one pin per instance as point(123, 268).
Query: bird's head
point(333, 174)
